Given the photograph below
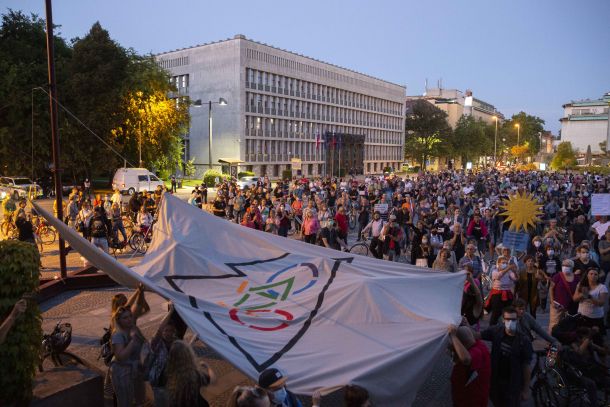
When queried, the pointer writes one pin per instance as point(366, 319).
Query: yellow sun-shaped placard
point(521, 210)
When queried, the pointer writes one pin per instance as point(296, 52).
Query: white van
point(132, 180)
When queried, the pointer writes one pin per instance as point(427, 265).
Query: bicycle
point(54, 346)
point(8, 227)
point(362, 248)
point(140, 239)
point(45, 232)
point(547, 383)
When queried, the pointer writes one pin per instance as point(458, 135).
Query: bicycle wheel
point(360, 248)
point(543, 394)
point(5, 228)
point(47, 235)
point(138, 243)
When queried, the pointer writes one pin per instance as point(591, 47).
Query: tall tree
point(470, 140)
point(564, 158)
point(23, 67)
point(99, 72)
point(150, 119)
point(427, 132)
point(528, 132)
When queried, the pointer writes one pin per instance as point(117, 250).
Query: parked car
point(247, 182)
point(21, 187)
point(132, 180)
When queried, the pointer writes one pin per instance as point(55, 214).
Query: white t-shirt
point(587, 308)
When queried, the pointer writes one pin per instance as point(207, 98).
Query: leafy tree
point(99, 70)
point(529, 130)
point(427, 132)
point(23, 66)
point(470, 140)
point(189, 167)
point(520, 152)
point(564, 158)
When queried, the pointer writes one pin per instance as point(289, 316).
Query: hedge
point(209, 177)
point(20, 353)
point(245, 174)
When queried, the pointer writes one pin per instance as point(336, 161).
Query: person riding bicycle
point(9, 207)
point(375, 227)
point(145, 220)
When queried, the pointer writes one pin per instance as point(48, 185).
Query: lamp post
point(496, 141)
point(518, 126)
point(221, 102)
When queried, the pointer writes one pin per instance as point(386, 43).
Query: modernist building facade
point(585, 123)
point(284, 108)
point(457, 104)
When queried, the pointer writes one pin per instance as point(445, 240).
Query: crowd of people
point(455, 221)
point(451, 221)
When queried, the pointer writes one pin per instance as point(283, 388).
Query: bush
point(287, 174)
point(209, 177)
point(414, 170)
point(245, 174)
point(387, 169)
point(20, 353)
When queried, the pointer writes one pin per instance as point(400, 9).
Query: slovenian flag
point(317, 140)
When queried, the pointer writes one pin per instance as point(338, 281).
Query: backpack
point(106, 353)
point(98, 228)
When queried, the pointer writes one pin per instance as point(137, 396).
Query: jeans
point(118, 226)
point(100, 242)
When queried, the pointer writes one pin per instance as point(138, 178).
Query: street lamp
point(518, 126)
point(495, 141)
point(221, 102)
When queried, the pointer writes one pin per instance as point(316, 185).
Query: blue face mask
point(280, 395)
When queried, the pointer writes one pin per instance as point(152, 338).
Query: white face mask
point(566, 269)
point(503, 266)
point(511, 326)
point(537, 243)
point(424, 241)
point(550, 253)
point(280, 395)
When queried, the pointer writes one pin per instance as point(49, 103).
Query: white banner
point(324, 317)
point(600, 204)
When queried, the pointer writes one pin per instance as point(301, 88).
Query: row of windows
point(271, 82)
point(269, 127)
point(280, 106)
point(281, 150)
point(180, 81)
point(310, 69)
point(174, 62)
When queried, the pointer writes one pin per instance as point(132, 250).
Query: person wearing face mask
point(511, 353)
point(274, 382)
point(591, 296)
point(550, 262)
point(419, 233)
point(561, 292)
point(584, 261)
point(502, 287)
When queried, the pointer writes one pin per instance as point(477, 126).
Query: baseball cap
point(271, 378)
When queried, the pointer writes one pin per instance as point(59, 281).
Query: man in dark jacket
point(101, 229)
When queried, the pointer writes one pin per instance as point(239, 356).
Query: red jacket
point(471, 228)
point(342, 222)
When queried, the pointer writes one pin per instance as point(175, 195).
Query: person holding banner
point(502, 287)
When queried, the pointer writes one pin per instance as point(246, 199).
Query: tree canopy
point(427, 132)
point(470, 140)
point(564, 158)
point(96, 81)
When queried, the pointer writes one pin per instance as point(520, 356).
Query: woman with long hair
point(127, 378)
point(591, 296)
point(185, 378)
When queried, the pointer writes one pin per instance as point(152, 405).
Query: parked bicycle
point(54, 346)
point(362, 247)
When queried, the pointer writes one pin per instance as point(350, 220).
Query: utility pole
point(54, 132)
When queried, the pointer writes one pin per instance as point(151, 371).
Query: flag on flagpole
point(317, 140)
point(339, 142)
point(334, 142)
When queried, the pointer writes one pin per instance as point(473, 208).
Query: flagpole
point(340, 147)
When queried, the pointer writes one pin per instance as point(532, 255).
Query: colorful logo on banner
point(521, 210)
point(269, 294)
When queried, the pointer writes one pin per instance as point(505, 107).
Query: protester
point(511, 353)
point(274, 382)
point(471, 374)
point(185, 377)
point(127, 379)
point(501, 294)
